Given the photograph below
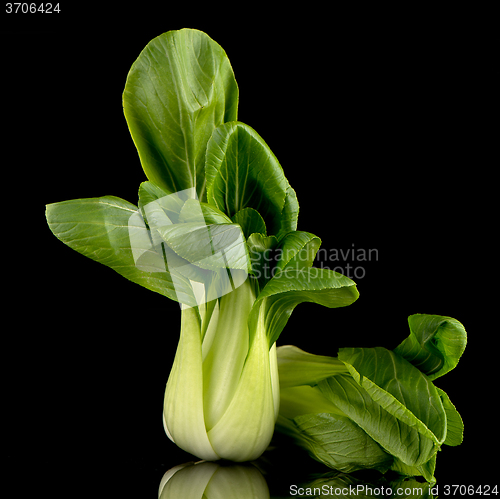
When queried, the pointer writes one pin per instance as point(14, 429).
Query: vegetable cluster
point(216, 205)
point(373, 407)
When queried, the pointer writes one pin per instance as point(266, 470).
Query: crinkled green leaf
point(177, 92)
point(396, 437)
point(328, 389)
point(435, 344)
point(314, 422)
point(392, 401)
point(399, 387)
point(336, 441)
point(396, 404)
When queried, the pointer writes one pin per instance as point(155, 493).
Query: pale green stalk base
point(222, 397)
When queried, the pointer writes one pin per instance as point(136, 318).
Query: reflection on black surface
point(221, 480)
point(348, 486)
point(212, 480)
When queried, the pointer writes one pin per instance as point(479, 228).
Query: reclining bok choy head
point(215, 229)
point(374, 407)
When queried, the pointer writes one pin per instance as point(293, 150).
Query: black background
point(384, 124)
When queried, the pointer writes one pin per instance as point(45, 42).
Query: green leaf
point(399, 439)
point(399, 387)
point(166, 207)
point(194, 211)
point(150, 192)
point(251, 222)
point(268, 257)
point(435, 344)
point(392, 401)
point(336, 441)
point(243, 172)
point(290, 214)
point(159, 207)
point(298, 250)
point(101, 228)
point(454, 423)
point(261, 249)
point(292, 286)
point(199, 242)
point(177, 92)
point(212, 247)
point(426, 469)
point(304, 399)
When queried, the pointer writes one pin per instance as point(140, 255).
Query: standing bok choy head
point(216, 206)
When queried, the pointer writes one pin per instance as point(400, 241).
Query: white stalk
point(222, 396)
point(183, 406)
